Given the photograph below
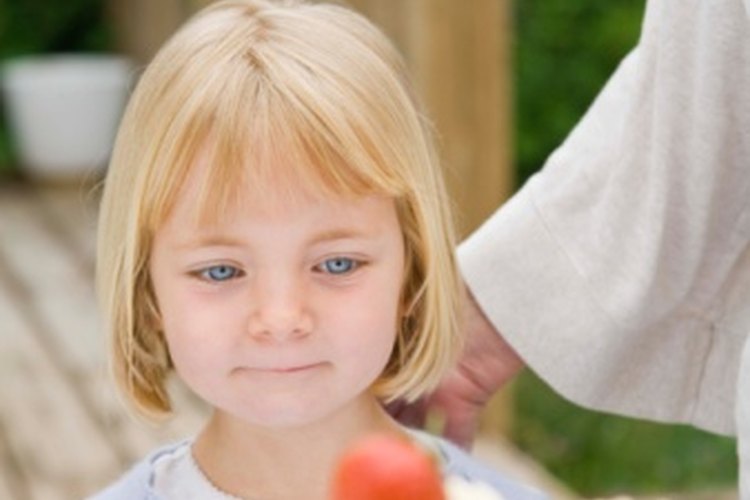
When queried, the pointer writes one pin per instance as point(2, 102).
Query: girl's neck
point(255, 462)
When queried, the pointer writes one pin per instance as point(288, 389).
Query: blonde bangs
point(270, 138)
point(259, 125)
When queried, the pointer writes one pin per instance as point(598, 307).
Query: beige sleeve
point(621, 272)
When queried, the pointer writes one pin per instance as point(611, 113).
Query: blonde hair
point(317, 84)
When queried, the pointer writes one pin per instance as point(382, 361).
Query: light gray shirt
point(166, 475)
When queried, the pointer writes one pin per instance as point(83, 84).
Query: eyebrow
point(338, 234)
point(219, 240)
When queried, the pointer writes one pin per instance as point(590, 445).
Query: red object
point(385, 467)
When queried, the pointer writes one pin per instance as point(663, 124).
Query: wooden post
point(141, 26)
point(459, 55)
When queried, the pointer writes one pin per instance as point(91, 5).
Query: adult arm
point(621, 272)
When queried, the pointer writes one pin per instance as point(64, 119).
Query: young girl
point(274, 228)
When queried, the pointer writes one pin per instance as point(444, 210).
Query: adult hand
point(486, 364)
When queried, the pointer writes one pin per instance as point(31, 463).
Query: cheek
point(186, 310)
point(183, 334)
point(192, 329)
point(198, 352)
point(369, 328)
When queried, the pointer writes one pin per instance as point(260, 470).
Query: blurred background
point(505, 81)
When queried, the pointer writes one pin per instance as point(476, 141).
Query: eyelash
point(354, 264)
point(205, 273)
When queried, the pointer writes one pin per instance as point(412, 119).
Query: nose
point(279, 311)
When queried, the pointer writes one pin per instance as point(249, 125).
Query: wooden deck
point(63, 433)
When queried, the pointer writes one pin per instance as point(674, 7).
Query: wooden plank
point(52, 283)
point(11, 486)
point(461, 69)
point(6, 491)
point(59, 302)
point(394, 18)
point(460, 59)
point(142, 26)
point(58, 446)
point(69, 213)
point(70, 217)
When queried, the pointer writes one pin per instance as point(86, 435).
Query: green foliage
point(6, 159)
point(565, 51)
point(597, 454)
point(46, 26)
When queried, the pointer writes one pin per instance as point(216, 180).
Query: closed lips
point(282, 369)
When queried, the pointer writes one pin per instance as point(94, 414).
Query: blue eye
point(219, 273)
point(338, 265)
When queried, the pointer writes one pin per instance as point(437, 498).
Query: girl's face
point(286, 310)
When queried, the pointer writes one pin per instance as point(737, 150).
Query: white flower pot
point(63, 111)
